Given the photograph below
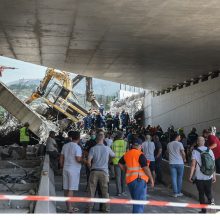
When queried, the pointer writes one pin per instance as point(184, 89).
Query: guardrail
point(189, 188)
point(46, 188)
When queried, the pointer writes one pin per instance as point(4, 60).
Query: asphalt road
point(159, 193)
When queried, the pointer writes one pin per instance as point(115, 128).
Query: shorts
point(152, 166)
point(71, 179)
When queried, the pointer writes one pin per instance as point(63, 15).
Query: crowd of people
point(132, 155)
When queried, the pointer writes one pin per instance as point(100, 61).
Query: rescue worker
point(109, 121)
point(101, 109)
point(116, 121)
point(123, 119)
point(134, 163)
point(24, 138)
point(119, 147)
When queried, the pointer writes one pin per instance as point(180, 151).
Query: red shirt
point(212, 139)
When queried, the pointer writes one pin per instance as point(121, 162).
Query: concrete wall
point(197, 105)
point(46, 188)
point(189, 188)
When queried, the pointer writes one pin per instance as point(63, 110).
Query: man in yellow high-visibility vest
point(24, 138)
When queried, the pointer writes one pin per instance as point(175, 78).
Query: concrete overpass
point(153, 44)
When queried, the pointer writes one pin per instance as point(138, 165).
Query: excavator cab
point(56, 91)
point(63, 104)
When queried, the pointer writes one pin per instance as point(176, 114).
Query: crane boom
point(2, 68)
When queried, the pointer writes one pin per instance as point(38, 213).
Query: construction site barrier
point(110, 201)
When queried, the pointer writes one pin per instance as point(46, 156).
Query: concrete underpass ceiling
point(146, 43)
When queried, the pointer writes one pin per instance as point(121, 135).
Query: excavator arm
point(90, 96)
point(63, 77)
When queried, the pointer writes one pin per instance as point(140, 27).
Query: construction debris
point(130, 104)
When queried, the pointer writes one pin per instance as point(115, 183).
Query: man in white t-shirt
point(148, 149)
point(70, 160)
point(203, 182)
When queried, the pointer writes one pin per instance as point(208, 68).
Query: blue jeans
point(176, 171)
point(138, 191)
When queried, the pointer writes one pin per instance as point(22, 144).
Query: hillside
point(100, 87)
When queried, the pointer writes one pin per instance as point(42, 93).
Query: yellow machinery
point(58, 96)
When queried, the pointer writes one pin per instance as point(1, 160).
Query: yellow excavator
point(59, 95)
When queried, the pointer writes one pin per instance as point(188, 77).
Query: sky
point(30, 71)
point(25, 70)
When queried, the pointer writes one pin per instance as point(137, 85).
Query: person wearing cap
point(214, 144)
point(24, 138)
point(134, 164)
point(119, 147)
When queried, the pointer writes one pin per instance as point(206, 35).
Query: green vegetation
point(22, 86)
point(2, 111)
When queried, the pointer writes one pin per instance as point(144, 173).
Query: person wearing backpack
point(202, 172)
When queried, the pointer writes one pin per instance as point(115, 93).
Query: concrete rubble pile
point(10, 124)
point(130, 104)
point(9, 139)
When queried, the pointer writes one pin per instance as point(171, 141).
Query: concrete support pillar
point(148, 108)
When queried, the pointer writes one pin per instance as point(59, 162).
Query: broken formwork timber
point(23, 113)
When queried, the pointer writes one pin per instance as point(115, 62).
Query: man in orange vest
point(134, 163)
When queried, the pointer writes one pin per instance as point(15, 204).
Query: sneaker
point(174, 195)
point(119, 194)
point(124, 194)
point(211, 210)
point(180, 194)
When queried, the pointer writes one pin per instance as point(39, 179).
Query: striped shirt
point(119, 147)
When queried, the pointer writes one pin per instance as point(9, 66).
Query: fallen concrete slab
point(23, 113)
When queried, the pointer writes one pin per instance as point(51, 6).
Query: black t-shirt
point(192, 137)
point(142, 161)
point(158, 146)
point(91, 143)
